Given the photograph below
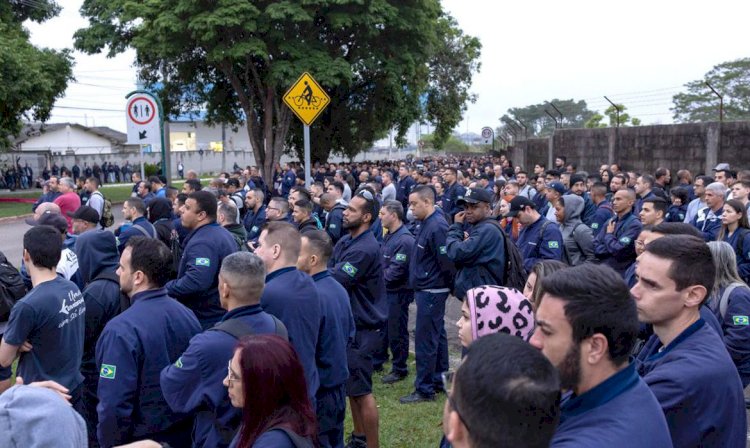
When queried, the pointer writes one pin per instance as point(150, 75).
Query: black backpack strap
point(297, 440)
point(234, 327)
point(143, 230)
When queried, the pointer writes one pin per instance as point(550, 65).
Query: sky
point(638, 53)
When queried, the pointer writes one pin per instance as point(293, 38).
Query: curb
point(29, 215)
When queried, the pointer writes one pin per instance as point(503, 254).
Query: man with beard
point(356, 264)
point(587, 326)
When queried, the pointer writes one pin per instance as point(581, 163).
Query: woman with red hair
point(265, 378)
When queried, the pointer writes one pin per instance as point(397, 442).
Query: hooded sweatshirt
point(36, 417)
point(496, 308)
point(97, 255)
point(578, 239)
point(160, 215)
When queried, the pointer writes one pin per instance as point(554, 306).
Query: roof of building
point(31, 130)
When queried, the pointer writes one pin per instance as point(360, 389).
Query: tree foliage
point(31, 78)
point(731, 79)
point(611, 113)
point(539, 124)
point(236, 58)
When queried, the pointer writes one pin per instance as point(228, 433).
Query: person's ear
point(596, 349)
point(695, 295)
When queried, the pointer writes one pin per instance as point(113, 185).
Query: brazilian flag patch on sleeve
point(443, 250)
point(741, 320)
point(349, 269)
point(203, 262)
point(400, 257)
point(108, 371)
point(553, 245)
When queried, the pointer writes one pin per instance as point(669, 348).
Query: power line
point(88, 108)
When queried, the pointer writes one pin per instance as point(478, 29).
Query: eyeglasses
point(232, 377)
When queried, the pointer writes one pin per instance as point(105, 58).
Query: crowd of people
point(17, 176)
point(598, 309)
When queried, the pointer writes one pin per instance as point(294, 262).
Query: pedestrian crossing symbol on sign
point(306, 99)
point(108, 371)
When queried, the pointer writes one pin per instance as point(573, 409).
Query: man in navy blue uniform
point(98, 260)
point(193, 384)
point(405, 186)
point(256, 213)
point(540, 239)
point(708, 219)
point(397, 249)
point(290, 294)
point(453, 192)
point(207, 244)
point(480, 256)
point(136, 345)
point(604, 211)
point(334, 207)
point(430, 275)
point(644, 188)
point(587, 325)
point(288, 181)
point(134, 210)
point(685, 362)
point(356, 265)
point(46, 327)
point(337, 331)
point(504, 394)
point(615, 245)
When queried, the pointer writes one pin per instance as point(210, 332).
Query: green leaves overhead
point(731, 79)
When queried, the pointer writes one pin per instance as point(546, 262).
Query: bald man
point(615, 244)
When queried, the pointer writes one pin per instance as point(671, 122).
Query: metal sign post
point(307, 100)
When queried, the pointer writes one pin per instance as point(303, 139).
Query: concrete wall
point(695, 146)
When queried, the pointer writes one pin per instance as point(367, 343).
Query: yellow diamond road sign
point(306, 99)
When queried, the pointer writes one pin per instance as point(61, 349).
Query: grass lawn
point(114, 194)
point(402, 425)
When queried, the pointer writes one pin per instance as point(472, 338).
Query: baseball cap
point(519, 203)
point(557, 186)
point(85, 213)
point(474, 196)
point(721, 167)
point(50, 219)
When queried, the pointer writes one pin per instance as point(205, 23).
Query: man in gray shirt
point(96, 198)
point(389, 190)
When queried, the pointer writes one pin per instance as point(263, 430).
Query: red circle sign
point(141, 113)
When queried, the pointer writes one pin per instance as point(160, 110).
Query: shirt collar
point(682, 336)
point(321, 275)
point(278, 272)
point(603, 393)
point(148, 294)
point(248, 310)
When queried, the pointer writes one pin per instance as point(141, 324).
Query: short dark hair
point(285, 235)
point(155, 180)
point(683, 251)
point(597, 300)
point(305, 205)
point(507, 392)
point(304, 194)
point(152, 257)
point(395, 207)
point(553, 173)
point(425, 192)
point(137, 204)
point(194, 184)
point(660, 205)
point(233, 182)
point(44, 246)
point(677, 228)
point(599, 188)
point(181, 198)
point(320, 243)
point(172, 192)
point(338, 185)
point(563, 158)
point(95, 181)
point(680, 193)
point(707, 180)
point(206, 203)
point(660, 172)
point(649, 179)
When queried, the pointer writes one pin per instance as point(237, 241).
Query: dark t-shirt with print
point(51, 318)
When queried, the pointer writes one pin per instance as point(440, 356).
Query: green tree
point(731, 79)
point(611, 112)
point(236, 58)
point(31, 78)
point(539, 124)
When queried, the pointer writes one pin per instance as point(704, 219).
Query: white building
point(61, 139)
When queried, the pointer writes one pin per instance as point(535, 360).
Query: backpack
point(12, 288)
point(113, 277)
point(145, 233)
point(107, 218)
point(176, 248)
point(724, 300)
point(515, 274)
